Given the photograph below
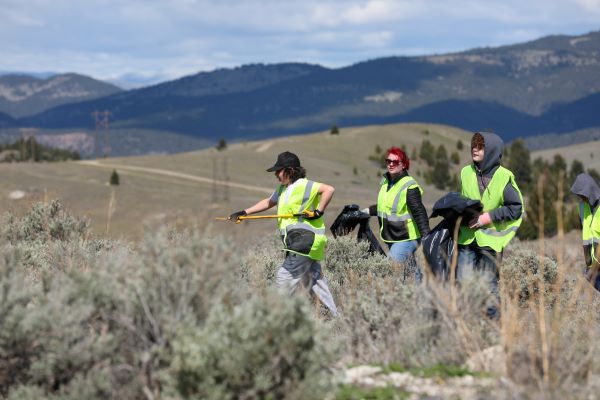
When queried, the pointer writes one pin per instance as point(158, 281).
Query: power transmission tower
point(220, 177)
point(26, 134)
point(101, 123)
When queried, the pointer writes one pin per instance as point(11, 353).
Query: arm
point(511, 209)
point(417, 210)
point(262, 205)
point(326, 192)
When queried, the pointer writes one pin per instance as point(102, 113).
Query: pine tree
point(576, 169)
point(114, 178)
point(222, 145)
point(427, 152)
point(455, 158)
point(519, 163)
point(440, 176)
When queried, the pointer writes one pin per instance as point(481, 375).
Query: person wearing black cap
point(303, 236)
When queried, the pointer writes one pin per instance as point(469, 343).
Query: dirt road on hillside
point(164, 172)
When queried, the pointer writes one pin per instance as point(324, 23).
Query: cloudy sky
point(153, 40)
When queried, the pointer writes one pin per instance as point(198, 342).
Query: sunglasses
point(392, 162)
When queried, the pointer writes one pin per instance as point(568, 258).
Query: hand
point(235, 217)
point(483, 220)
point(313, 214)
point(366, 211)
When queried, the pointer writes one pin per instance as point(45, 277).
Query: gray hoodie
point(587, 187)
point(512, 208)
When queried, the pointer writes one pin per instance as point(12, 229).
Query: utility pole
point(101, 123)
point(220, 177)
point(28, 133)
point(226, 181)
point(214, 181)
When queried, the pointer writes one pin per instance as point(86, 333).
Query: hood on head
point(492, 152)
point(586, 186)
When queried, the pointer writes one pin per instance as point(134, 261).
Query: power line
point(101, 123)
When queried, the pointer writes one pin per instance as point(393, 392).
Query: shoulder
point(504, 171)
point(412, 182)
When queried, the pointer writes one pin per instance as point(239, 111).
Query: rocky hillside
point(22, 95)
point(545, 86)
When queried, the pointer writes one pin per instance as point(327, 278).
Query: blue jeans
point(404, 252)
point(478, 261)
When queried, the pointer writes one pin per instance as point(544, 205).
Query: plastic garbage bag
point(346, 222)
point(438, 244)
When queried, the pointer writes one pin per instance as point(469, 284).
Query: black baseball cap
point(285, 160)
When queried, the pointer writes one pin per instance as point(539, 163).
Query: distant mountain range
point(23, 95)
point(550, 85)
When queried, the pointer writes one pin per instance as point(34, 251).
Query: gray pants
point(302, 271)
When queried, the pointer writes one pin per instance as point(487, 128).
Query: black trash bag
point(438, 244)
point(346, 222)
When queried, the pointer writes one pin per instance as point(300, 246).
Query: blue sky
point(149, 40)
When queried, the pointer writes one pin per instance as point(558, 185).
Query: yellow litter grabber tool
point(240, 219)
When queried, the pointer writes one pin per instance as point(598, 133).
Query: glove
point(235, 217)
point(483, 220)
point(313, 214)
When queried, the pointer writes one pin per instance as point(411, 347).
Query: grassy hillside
point(588, 153)
point(184, 200)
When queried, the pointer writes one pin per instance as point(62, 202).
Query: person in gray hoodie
point(482, 240)
point(589, 193)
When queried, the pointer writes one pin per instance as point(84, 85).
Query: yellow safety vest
point(590, 227)
point(395, 221)
point(497, 234)
point(301, 236)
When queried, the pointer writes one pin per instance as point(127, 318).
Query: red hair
point(398, 152)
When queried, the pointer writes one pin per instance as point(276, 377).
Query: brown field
point(189, 189)
point(179, 190)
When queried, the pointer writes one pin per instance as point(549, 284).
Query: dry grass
point(179, 202)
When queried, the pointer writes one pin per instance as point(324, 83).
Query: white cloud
point(590, 5)
point(376, 39)
point(111, 38)
point(375, 11)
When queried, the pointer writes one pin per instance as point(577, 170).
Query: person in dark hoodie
point(588, 191)
point(402, 217)
point(482, 241)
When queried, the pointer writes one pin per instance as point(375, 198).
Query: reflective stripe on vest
point(498, 234)
point(394, 210)
point(302, 196)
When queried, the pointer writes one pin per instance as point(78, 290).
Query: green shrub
point(386, 317)
point(522, 273)
point(45, 222)
point(264, 348)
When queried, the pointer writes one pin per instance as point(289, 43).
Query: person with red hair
point(402, 217)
